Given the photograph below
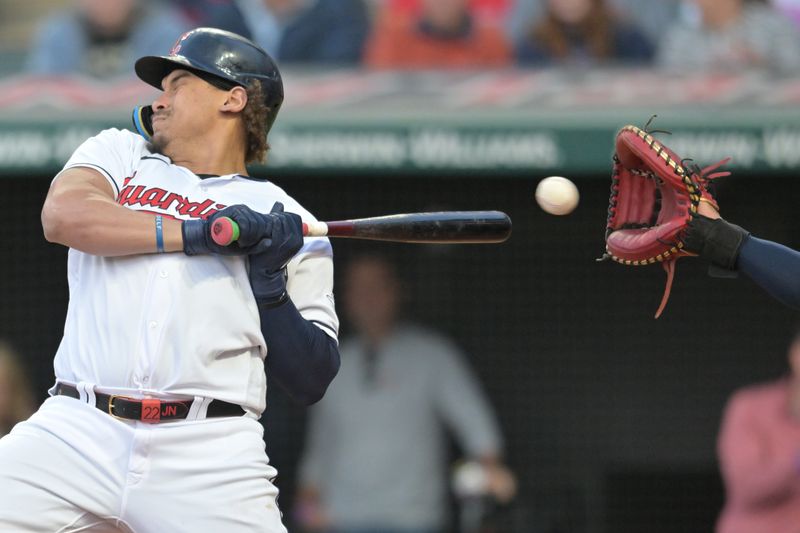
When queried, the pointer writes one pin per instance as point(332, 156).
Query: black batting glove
point(269, 257)
point(253, 226)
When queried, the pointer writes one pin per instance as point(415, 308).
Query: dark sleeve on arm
point(774, 267)
point(301, 357)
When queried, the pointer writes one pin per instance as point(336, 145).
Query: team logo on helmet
point(177, 46)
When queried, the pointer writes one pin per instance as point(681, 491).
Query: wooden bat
point(443, 227)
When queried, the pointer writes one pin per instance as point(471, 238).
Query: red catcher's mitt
point(654, 196)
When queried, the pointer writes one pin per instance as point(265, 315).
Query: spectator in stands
point(16, 396)
point(759, 454)
point(649, 15)
point(309, 31)
point(732, 35)
point(582, 32)
point(376, 452)
point(103, 38)
point(222, 14)
point(443, 34)
point(496, 10)
point(790, 8)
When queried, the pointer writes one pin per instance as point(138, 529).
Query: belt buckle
point(111, 405)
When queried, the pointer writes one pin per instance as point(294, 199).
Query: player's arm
point(755, 472)
point(80, 212)
point(772, 266)
point(301, 357)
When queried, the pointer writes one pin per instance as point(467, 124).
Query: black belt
point(150, 409)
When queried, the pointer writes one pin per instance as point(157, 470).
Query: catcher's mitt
point(654, 196)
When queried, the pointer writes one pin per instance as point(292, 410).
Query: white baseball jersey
point(170, 324)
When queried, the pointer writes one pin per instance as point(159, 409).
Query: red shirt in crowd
point(403, 42)
point(759, 451)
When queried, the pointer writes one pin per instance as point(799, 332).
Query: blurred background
point(609, 418)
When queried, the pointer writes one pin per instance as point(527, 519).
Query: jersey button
point(163, 274)
point(153, 324)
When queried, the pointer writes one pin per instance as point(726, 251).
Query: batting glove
point(269, 257)
point(253, 226)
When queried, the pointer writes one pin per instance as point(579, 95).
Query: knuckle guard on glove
point(253, 226)
point(654, 199)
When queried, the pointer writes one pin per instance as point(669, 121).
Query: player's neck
point(213, 168)
point(210, 154)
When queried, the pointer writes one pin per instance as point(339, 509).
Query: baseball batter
point(152, 426)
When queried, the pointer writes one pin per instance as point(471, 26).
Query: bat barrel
point(446, 227)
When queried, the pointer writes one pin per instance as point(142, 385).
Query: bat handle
point(315, 229)
point(225, 230)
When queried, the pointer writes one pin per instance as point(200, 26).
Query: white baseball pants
point(72, 468)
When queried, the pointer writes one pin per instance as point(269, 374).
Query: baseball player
point(152, 426)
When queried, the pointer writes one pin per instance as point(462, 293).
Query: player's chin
point(158, 143)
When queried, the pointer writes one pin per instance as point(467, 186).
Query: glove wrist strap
point(719, 241)
point(270, 289)
point(276, 302)
point(194, 234)
point(725, 242)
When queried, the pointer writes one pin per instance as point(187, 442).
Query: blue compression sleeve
point(301, 357)
point(773, 267)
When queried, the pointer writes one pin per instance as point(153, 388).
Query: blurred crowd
point(17, 398)
point(102, 38)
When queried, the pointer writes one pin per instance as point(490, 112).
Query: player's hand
point(253, 226)
point(707, 209)
point(269, 257)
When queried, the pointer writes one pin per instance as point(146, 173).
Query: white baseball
point(557, 195)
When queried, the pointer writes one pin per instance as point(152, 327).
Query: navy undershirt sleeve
point(301, 357)
point(774, 267)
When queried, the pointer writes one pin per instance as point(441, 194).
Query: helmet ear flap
point(143, 121)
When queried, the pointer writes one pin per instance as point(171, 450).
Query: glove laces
point(703, 176)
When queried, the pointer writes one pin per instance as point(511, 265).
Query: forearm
point(80, 212)
point(773, 267)
point(107, 229)
point(301, 357)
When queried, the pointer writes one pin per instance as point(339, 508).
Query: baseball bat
point(443, 227)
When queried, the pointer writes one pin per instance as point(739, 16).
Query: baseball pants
point(72, 468)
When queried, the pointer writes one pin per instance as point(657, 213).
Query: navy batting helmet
point(223, 59)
